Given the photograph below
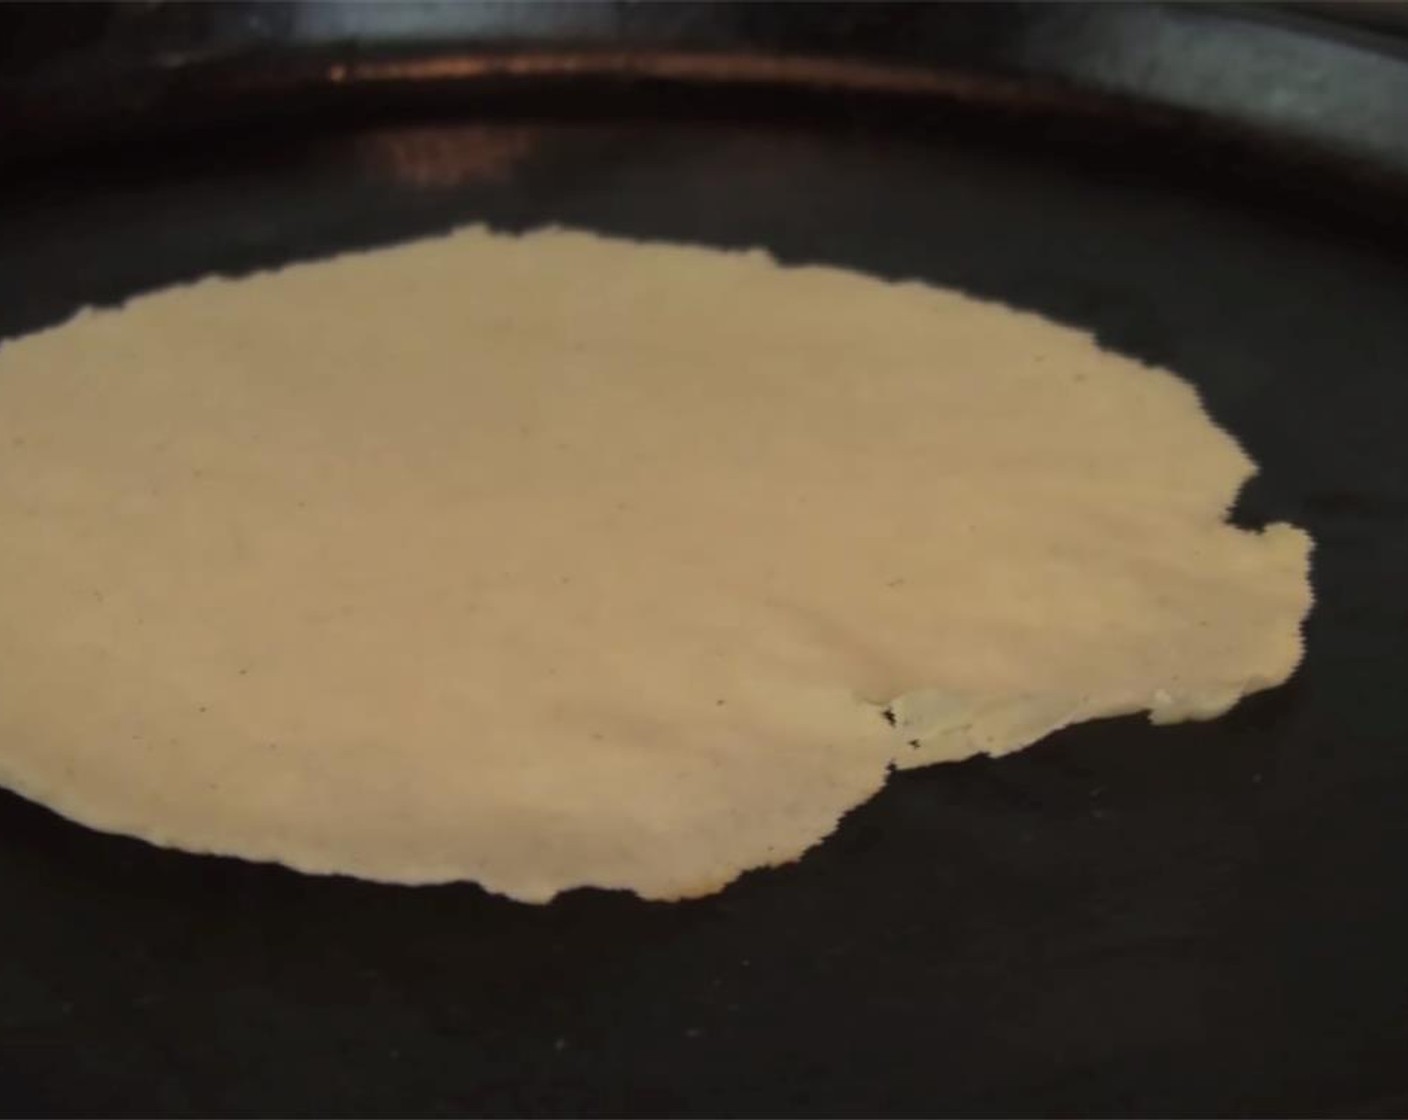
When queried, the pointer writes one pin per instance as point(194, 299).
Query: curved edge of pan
point(1285, 87)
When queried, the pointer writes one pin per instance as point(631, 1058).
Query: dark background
point(1123, 919)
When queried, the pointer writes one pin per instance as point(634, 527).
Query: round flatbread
point(557, 560)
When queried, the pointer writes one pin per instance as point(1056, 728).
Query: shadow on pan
point(1123, 919)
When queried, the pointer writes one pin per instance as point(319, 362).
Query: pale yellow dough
point(559, 560)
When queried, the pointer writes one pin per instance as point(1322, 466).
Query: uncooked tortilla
point(558, 560)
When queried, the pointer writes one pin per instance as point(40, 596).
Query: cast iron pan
point(1124, 919)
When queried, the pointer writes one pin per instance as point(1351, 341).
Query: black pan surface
point(1123, 919)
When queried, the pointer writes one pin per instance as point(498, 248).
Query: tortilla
point(556, 560)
